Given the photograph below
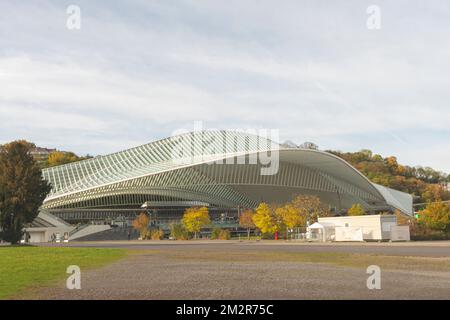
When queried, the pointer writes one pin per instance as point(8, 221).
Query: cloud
point(141, 70)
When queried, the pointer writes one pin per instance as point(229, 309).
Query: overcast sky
point(139, 70)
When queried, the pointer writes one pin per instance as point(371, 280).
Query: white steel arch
point(153, 171)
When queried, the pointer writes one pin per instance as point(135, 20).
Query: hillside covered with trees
point(46, 158)
point(426, 184)
point(57, 158)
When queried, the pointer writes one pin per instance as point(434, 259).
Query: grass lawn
point(27, 267)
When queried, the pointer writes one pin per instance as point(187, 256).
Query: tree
point(265, 219)
point(423, 183)
point(195, 218)
point(22, 189)
point(290, 215)
point(156, 234)
point(356, 210)
point(221, 234)
point(246, 221)
point(436, 216)
point(432, 192)
point(58, 158)
point(141, 224)
point(303, 208)
point(309, 208)
point(402, 219)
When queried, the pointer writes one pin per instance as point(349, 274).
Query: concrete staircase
point(111, 234)
point(46, 219)
point(88, 230)
point(46, 224)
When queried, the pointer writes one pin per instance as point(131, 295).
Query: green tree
point(22, 189)
point(356, 210)
point(195, 218)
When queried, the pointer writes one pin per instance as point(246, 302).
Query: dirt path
point(171, 274)
point(417, 249)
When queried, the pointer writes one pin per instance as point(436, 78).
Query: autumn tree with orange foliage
point(141, 224)
point(425, 183)
point(310, 208)
point(246, 221)
point(436, 216)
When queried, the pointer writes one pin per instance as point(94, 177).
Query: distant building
point(41, 154)
point(304, 145)
point(309, 145)
point(41, 151)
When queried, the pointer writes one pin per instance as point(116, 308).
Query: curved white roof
point(217, 167)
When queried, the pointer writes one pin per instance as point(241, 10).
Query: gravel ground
point(418, 249)
point(165, 274)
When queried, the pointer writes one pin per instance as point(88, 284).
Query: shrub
point(141, 224)
point(267, 236)
point(156, 234)
point(220, 234)
point(420, 232)
point(224, 234)
point(356, 210)
point(215, 233)
point(179, 232)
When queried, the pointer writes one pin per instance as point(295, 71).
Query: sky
point(140, 70)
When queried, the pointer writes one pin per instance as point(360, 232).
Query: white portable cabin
point(374, 227)
point(348, 234)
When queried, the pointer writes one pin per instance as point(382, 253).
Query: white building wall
point(374, 227)
point(43, 234)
